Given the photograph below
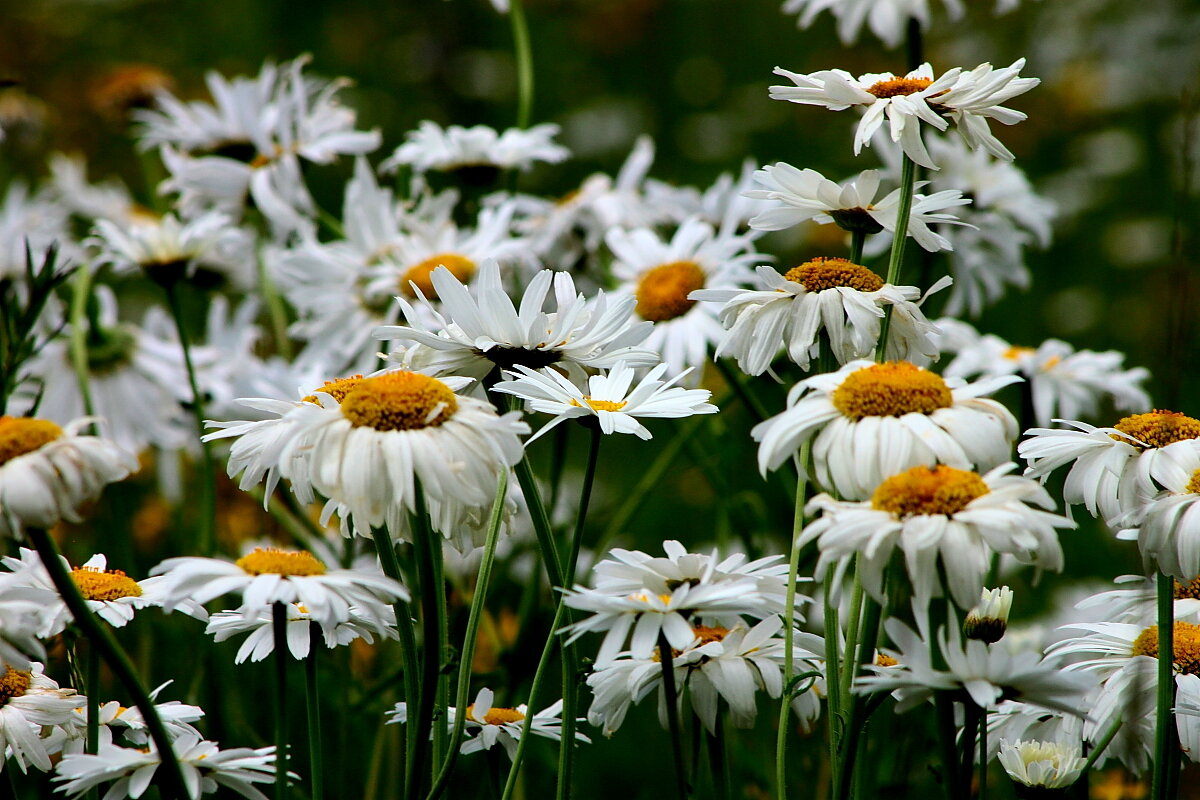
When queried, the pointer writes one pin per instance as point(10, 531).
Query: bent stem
point(279, 629)
point(386, 550)
point(312, 696)
point(899, 240)
point(100, 637)
point(667, 660)
point(468, 649)
point(1166, 737)
point(789, 616)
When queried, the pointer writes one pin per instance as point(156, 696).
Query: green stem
point(1166, 737)
point(92, 744)
point(524, 55)
point(789, 621)
point(462, 695)
point(667, 660)
point(1100, 747)
point(206, 540)
point(833, 630)
point(717, 760)
point(428, 555)
point(277, 310)
point(100, 637)
point(408, 647)
point(899, 240)
point(81, 290)
point(971, 716)
point(983, 757)
point(857, 240)
point(279, 630)
point(850, 663)
point(312, 692)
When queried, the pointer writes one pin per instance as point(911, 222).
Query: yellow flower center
point(1189, 590)
point(894, 87)
point(98, 584)
point(21, 435)
point(828, 273)
point(1193, 486)
point(272, 561)
point(496, 716)
point(599, 405)
point(1015, 353)
point(922, 491)
point(1160, 428)
point(421, 274)
point(14, 683)
point(706, 634)
point(1186, 641)
point(662, 293)
point(337, 388)
point(883, 660)
point(399, 401)
point(891, 390)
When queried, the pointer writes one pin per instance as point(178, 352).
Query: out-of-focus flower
point(432, 147)
point(168, 250)
point(31, 704)
point(887, 19)
point(299, 629)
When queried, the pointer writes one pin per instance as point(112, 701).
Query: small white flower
point(1050, 765)
point(432, 147)
point(31, 703)
point(887, 19)
point(261, 641)
point(168, 249)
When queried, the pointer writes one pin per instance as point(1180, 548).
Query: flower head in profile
point(31, 703)
point(870, 421)
point(300, 631)
point(432, 147)
point(1167, 527)
point(887, 19)
point(168, 250)
point(844, 300)
point(611, 400)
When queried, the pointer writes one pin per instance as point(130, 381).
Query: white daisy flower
point(611, 400)
point(48, 472)
point(1167, 528)
point(29, 703)
point(966, 98)
point(70, 186)
point(260, 643)
point(432, 147)
point(887, 19)
point(1047, 765)
point(871, 421)
point(167, 249)
point(205, 766)
point(959, 518)
point(115, 718)
point(267, 575)
point(1113, 470)
point(21, 618)
point(724, 205)
point(847, 301)
point(987, 621)
point(1012, 720)
point(479, 328)
point(660, 275)
point(492, 725)
point(29, 220)
point(110, 593)
point(802, 195)
point(1064, 382)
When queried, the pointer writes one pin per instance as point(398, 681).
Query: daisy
point(725, 204)
point(168, 250)
point(844, 300)
point(802, 195)
point(966, 98)
point(887, 19)
point(30, 220)
point(261, 641)
point(29, 703)
point(1113, 470)
point(206, 768)
point(1167, 528)
point(127, 721)
point(871, 421)
point(48, 472)
point(21, 618)
point(942, 514)
point(609, 400)
point(1047, 765)
point(267, 575)
point(492, 725)
point(432, 147)
point(660, 275)
point(479, 328)
point(987, 621)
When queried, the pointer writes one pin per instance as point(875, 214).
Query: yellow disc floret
point(828, 273)
point(496, 716)
point(272, 561)
point(1189, 590)
point(337, 388)
point(1186, 645)
point(891, 390)
point(98, 584)
point(894, 87)
point(1193, 486)
point(399, 401)
point(708, 634)
point(1160, 428)
point(662, 293)
point(14, 683)
point(925, 492)
point(21, 435)
point(599, 405)
point(421, 274)
point(884, 660)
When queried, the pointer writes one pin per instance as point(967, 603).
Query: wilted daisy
point(48, 472)
point(846, 301)
point(954, 517)
point(966, 98)
point(887, 19)
point(205, 766)
point(492, 725)
point(479, 328)
point(168, 250)
point(260, 643)
point(29, 703)
point(802, 195)
point(432, 147)
point(1113, 470)
point(871, 421)
point(611, 400)
point(1048, 765)
point(267, 575)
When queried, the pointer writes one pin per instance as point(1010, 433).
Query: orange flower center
point(891, 390)
point(399, 401)
point(98, 584)
point(1186, 644)
point(272, 561)
point(14, 683)
point(421, 274)
point(662, 293)
point(496, 716)
point(21, 435)
point(337, 388)
point(894, 87)
point(1160, 428)
point(922, 491)
point(828, 273)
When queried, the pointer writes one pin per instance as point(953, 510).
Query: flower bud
point(988, 621)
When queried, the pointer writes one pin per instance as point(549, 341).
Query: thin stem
point(899, 240)
point(433, 596)
point(667, 660)
point(971, 716)
point(81, 290)
point(279, 630)
point(717, 760)
point(1101, 746)
point(206, 540)
point(100, 637)
point(316, 764)
point(468, 649)
point(524, 55)
point(983, 757)
point(857, 240)
point(92, 744)
point(850, 664)
point(541, 523)
point(833, 630)
point(789, 624)
point(1166, 737)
